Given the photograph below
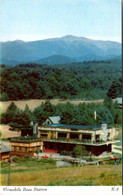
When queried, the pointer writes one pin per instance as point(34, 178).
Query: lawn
point(45, 173)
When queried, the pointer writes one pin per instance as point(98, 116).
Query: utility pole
point(95, 117)
point(9, 173)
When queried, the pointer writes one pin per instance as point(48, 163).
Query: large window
point(74, 135)
point(43, 135)
point(62, 135)
point(86, 136)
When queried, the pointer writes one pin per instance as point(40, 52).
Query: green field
point(34, 172)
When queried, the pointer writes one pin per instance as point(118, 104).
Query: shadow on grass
point(16, 171)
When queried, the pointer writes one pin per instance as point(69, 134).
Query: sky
point(30, 20)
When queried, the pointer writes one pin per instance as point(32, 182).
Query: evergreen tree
point(22, 123)
point(10, 114)
point(116, 89)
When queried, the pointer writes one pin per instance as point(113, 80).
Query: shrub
point(90, 159)
point(27, 157)
point(16, 159)
point(67, 153)
point(50, 160)
point(4, 164)
point(62, 152)
point(70, 153)
point(102, 175)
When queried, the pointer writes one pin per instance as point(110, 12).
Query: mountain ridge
point(71, 47)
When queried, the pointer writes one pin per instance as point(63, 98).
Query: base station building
point(55, 138)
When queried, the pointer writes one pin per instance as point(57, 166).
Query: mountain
point(56, 59)
point(9, 62)
point(59, 50)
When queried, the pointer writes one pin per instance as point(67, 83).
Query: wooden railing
point(79, 141)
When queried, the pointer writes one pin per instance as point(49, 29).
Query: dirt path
point(35, 103)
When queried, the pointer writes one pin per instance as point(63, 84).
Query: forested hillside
point(87, 80)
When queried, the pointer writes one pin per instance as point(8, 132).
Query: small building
point(118, 100)
point(4, 152)
point(26, 146)
point(52, 120)
point(60, 137)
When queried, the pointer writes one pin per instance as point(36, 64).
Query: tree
point(12, 107)
point(22, 123)
point(4, 97)
point(28, 111)
point(67, 114)
point(48, 107)
point(104, 115)
point(10, 114)
point(116, 89)
point(77, 119)
point(79, 151)
point(108, 102)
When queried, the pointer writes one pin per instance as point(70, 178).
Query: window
point(20, 149)
point(38, 148)
point(15, 148)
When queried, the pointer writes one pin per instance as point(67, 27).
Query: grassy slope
point(35, 103)
point(37, 173)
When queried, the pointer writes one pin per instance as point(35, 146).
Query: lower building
point(4, 152)
point(22, 146)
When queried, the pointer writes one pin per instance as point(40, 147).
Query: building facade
point(61, 137)
point(26, 146)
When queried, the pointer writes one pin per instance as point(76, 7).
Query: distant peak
point(68, 37)
point(19, 41)
point(72, 38)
